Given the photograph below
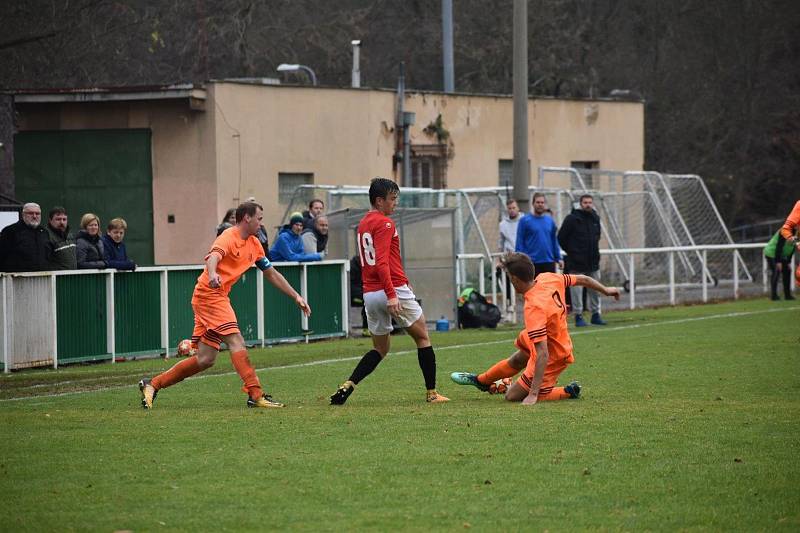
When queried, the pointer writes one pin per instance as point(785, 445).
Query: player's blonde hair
point(518, 265)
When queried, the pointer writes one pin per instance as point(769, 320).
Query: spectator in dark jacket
point(289, 246)
point(228, 221)
point(62, 253)
point(90, 245)
point(114, 251)
point(315, 208)
point(579, 237)
point(24, 245)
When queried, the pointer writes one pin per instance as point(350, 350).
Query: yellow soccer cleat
point(435, 397)
point(148, 393)
point(264, 402)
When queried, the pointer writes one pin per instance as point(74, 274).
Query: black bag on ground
point(474, 311)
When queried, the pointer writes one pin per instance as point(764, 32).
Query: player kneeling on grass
point(234, 252)
point(387, 293)
point(544, 346)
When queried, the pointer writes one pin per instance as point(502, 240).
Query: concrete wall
point(184, 178)
point(206, 162)
point(345, 136)
point(342, 136)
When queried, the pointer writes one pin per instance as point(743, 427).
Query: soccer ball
point(500, 386)
point(185, 348)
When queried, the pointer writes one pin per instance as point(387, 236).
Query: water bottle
point(442, 324)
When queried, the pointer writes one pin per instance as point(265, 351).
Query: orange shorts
point(213, 320)
point(553, 369)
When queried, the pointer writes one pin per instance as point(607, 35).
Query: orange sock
point(499, 370)
point(556, 393)
point(178, 372)
point(245, 370)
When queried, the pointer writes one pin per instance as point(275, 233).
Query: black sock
point(365, 367)
point(427, 362)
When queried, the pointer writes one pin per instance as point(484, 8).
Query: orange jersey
point(792, 222)
point(546, 315)
point(238, 255)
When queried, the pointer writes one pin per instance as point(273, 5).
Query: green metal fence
point(106, 315)
point(83, 318)
point(278, 324)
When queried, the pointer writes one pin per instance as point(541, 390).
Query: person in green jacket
point(62, 249)
point(779, 255)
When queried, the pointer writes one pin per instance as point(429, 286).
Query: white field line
point(406, 352)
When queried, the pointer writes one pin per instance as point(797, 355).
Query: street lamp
point(286, 67)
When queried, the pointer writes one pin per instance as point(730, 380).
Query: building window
point(585, 169)
point(429, 166)
point(505, 172)
point(289, 181)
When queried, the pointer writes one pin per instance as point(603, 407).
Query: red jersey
point(379, 251)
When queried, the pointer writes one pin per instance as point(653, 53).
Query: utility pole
point(521, 168)
point(447, 46)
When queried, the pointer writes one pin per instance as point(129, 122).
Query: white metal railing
point(670, 251)
point(703, 250)
point(509, 309)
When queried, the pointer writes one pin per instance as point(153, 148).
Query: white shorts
point(379, 321)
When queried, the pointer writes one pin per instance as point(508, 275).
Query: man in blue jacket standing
point(537, 237)
point(289, 246)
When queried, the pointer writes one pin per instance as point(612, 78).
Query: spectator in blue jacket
point(114, 252)
point(289, 246)
point(537, 237)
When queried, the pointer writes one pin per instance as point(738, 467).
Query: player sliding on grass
point(544, 346)
point(231, 255)
point(387, 293)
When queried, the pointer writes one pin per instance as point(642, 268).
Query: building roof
point(196, 94)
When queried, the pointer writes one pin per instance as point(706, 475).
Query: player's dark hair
point(510, 201)
point(381, 188)
point(585, 196)
point(57, 210)
point(314, 201)
point(538, 195)
point(519, 265)
point(247, 208)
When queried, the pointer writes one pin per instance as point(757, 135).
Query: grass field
point(689, 420)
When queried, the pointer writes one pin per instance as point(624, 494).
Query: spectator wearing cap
point(90, 245)
point(316, 239)
point(62, 251)
point(114, 250)
point(289, 246)
point(315, 209)
point(24, 245)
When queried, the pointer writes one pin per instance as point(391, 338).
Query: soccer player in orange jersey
point(232, 254)
point(544, 346)
point(792, 223)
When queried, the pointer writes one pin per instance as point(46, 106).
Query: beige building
point(211, 147)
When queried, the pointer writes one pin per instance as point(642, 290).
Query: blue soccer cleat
point(465, 378)
point(574, 390)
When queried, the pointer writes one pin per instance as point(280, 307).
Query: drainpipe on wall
point(356, 78)
point(398, 123)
